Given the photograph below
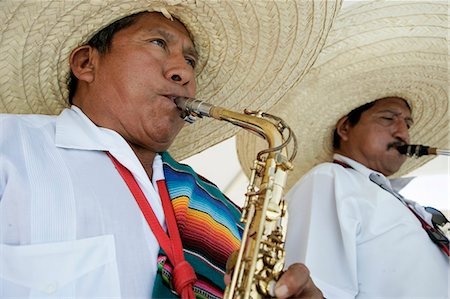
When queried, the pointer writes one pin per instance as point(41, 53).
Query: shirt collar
point(74, 130)
point(367, 172)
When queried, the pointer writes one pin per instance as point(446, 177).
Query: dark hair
point(102, 42)
point(353, 118)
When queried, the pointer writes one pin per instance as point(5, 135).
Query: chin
point(393, 170)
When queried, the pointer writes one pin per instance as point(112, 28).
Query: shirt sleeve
point(2, 179)
point(322, 233)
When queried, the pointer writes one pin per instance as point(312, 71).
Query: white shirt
point(358, 240)
point(69, 226)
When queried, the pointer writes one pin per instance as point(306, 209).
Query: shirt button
point(51, 288)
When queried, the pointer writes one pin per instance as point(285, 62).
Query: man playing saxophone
point(91, 203)
point(380, 82)
point(359, 237)
point(372, 232)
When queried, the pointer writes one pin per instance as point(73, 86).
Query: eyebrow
point(409, 118)
point(170, 37)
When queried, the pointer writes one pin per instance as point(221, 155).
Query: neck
point(146, 158)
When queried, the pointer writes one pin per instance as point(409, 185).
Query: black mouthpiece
point(411, 150)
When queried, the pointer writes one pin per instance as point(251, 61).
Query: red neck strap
point(183, 274)
point(433, 233)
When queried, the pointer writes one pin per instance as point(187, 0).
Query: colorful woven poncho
point(209, 228)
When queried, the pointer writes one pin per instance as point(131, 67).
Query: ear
point(82, 62)
point(342, 127)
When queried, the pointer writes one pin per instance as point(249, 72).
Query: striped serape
point(209, 228)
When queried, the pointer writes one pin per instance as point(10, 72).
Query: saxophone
point(260, 260)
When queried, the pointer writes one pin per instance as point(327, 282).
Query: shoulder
point(326, 168)
point(330, 182)
point(15, 128)
point(25, 120)
point(324, 173)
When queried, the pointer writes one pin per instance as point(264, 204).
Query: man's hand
point(294, 283)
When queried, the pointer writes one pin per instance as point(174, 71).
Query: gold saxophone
point(260, 260)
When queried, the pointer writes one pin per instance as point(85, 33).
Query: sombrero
point(250, 52)
point(375, 49)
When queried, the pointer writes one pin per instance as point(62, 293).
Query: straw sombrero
point(375, 49)
point(250, 52)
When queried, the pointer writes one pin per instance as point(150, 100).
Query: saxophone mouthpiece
point(418, 150)
point(192, 109)
point(181, 103)
point(185, 114)
point(413, 150)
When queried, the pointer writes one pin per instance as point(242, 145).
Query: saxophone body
point(260, 260)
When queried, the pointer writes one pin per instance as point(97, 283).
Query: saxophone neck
point(253, 121)
point(264, 125)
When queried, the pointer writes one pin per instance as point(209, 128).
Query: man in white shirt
point(358, 237)
point(91, 203)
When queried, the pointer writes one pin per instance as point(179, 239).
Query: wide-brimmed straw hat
point(375, 49)
point(250, 52)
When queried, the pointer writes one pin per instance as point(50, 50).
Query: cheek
point(378, 135)
point(177, 124)
point(163, 122)
point(193, 89)
point(372, 141)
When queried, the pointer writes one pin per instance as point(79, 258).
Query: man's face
point(149, 64)
point(373, 140)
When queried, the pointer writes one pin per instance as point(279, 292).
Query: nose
point(402, 130)
point(179, 71)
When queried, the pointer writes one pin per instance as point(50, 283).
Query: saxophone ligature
point(419, 150)
point(260, 260)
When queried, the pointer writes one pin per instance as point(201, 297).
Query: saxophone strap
point(434, 233)
point(183, 274)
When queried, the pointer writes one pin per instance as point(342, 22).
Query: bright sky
point(431, 184)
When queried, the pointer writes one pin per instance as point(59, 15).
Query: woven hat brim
point(375, 50)
point(250, 52)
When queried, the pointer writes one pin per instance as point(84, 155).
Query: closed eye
point(385, 120)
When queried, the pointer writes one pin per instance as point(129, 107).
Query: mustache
point(395, 144)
